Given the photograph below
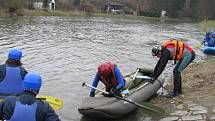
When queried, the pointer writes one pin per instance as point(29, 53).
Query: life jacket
point(112, 79)
point(177, 46)
point(12, 83)
point(24, 112)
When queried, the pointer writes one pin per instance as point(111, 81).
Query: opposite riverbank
point(27, 12)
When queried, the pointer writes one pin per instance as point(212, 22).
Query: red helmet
point(104, 69)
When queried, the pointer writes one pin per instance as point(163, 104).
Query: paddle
point(133, 78)
point(144, 77)
point(54, 102)
point(146, 105)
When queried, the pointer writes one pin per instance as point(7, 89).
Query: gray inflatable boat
point(111, 107)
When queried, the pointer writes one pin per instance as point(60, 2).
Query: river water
point(67, 51)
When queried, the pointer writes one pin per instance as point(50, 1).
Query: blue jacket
point(11, 80)
point(119, 78)
point(23, 72)
point(210, 40)
point(44, 112)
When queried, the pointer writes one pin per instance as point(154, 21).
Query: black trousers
point(177, 77)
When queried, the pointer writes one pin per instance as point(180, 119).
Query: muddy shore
point(197, 100)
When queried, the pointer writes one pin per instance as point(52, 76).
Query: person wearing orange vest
point(176, 50)
point(110, 75)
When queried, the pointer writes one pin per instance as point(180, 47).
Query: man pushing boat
point(178, 51)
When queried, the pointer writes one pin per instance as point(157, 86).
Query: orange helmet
point(104, 69)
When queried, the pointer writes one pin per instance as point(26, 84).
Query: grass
point(26, 12)
point(206, 25)
point(77, 13)
point(50, 13)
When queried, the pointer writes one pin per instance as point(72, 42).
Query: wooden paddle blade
point(55, 102)
point(154, 108)
point(157, 112)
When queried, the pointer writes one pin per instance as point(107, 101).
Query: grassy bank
point(51, 13)
point(206, 25)
point(26, 12)
point(80, 14)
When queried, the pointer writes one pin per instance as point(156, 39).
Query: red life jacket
point(113, 78)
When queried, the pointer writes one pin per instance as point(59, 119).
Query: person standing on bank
point(110, 75)
point(176, 50)
point(26, 107)
point(11, 74)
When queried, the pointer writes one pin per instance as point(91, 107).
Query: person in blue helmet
point(209, 39)
point(12, 74)
point(110, 75)
point(26, 107)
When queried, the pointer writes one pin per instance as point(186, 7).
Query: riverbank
point(27, 12)
point(206, 25)
point(197, 100)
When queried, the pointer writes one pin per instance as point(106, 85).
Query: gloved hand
point(151, 80)
point(107, 95)
point(112, 93)
point(115, 91)
point(92, 94)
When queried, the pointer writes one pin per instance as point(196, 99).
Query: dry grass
point(206, 25)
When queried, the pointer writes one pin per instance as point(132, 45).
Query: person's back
point(209, 39)
point(212, 43)
point(14, 108)
point(12, 74)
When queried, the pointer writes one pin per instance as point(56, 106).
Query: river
point(66, 51)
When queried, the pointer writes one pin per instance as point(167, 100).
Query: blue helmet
point(15, 54)
point(32, 81)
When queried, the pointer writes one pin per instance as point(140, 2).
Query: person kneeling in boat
point(12, 74)
point(175, 50)
point(209, 39)
point(26, 106)
point(110, 75)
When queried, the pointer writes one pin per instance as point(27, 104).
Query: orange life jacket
point(113, 79)
point(178, 48)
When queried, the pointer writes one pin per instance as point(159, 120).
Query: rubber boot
point(177, 83)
